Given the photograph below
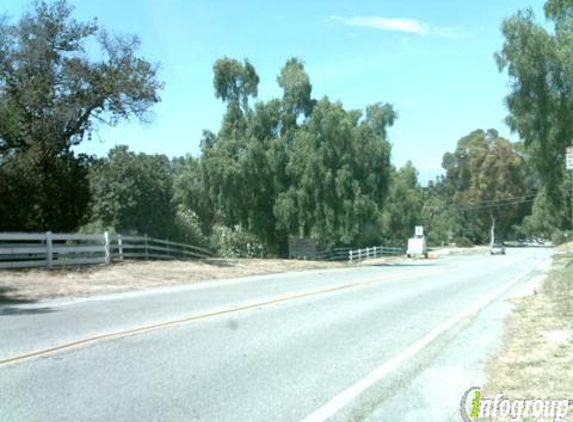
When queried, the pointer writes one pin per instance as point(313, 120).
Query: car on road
point(497, 249)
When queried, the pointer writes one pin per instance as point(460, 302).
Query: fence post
point(146, 250)
point(107, 248)
point(120, 246)
point(350, 254)
point(49, 249)
point(375, 254)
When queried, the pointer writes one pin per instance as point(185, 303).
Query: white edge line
point(347, 396)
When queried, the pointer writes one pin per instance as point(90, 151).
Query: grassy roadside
point(29, 285)
point(537, 358)
point(34, 284)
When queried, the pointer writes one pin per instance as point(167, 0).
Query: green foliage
point(188, 228)
point(296, 93)
point(441, 220)
point(191, 190)
point(43, 192)
point(339, 167)
point(484, 170)
point(559, 237)
point(235, 82)
point(290, 166)
point(236, 243)
point(546, 218)
point(402, 211)
point(96, 226)
point(463, 242)
point(52, 96)
point(539, 64)
point(133, 193)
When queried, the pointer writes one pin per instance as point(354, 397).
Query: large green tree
point(289, 166)
point(53, 94)
point(488, 182)
point(339, 170)
point(539, 63)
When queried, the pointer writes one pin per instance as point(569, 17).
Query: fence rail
point(337, 254)
point(373, 252)
point(21, 250)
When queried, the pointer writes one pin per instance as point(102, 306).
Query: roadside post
point(49, 250)
point(569, 163)
point(107, 248)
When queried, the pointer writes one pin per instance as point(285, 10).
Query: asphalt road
point(396, 342)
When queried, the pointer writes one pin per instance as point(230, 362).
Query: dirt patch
point(537, 359)
point(29, 285)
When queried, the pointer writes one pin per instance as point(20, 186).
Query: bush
point(95, 227)
point(558, 237)
point(463, 242)
point(188, 228)
point(236, 242)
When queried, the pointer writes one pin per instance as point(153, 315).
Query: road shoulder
point(536, 359)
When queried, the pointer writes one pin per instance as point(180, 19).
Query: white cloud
point(384, 24)
point(412, 26)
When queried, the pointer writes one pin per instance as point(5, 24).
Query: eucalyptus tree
point(539, 62)
point(339, 166)
point(487, 180)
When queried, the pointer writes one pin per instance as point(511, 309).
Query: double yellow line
point(185, 320)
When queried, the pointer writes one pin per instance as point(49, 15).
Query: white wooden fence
point(373, 252)
point(20, 250)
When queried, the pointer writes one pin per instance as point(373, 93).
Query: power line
point(501, 203)
point(486, 201)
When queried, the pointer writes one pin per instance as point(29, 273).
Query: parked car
point(497, 249)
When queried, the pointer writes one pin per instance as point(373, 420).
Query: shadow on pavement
point(11, 303)
point(401, 264)
point(13, 310)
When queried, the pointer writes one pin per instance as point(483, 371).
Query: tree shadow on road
point(10, 296)
point(401, 264)
point(12, 303)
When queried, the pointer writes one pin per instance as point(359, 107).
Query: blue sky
point(433, 60)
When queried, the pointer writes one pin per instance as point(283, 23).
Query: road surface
point(388, 342)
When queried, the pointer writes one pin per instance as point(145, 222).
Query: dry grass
point(34, 284)
point(537, 360)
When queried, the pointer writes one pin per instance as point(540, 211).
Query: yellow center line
point(233, 309)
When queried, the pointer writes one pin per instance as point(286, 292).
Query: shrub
point(188, 228)
point(558, 237)
point(236, 242)
point(96, 227)
point(463, 242)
